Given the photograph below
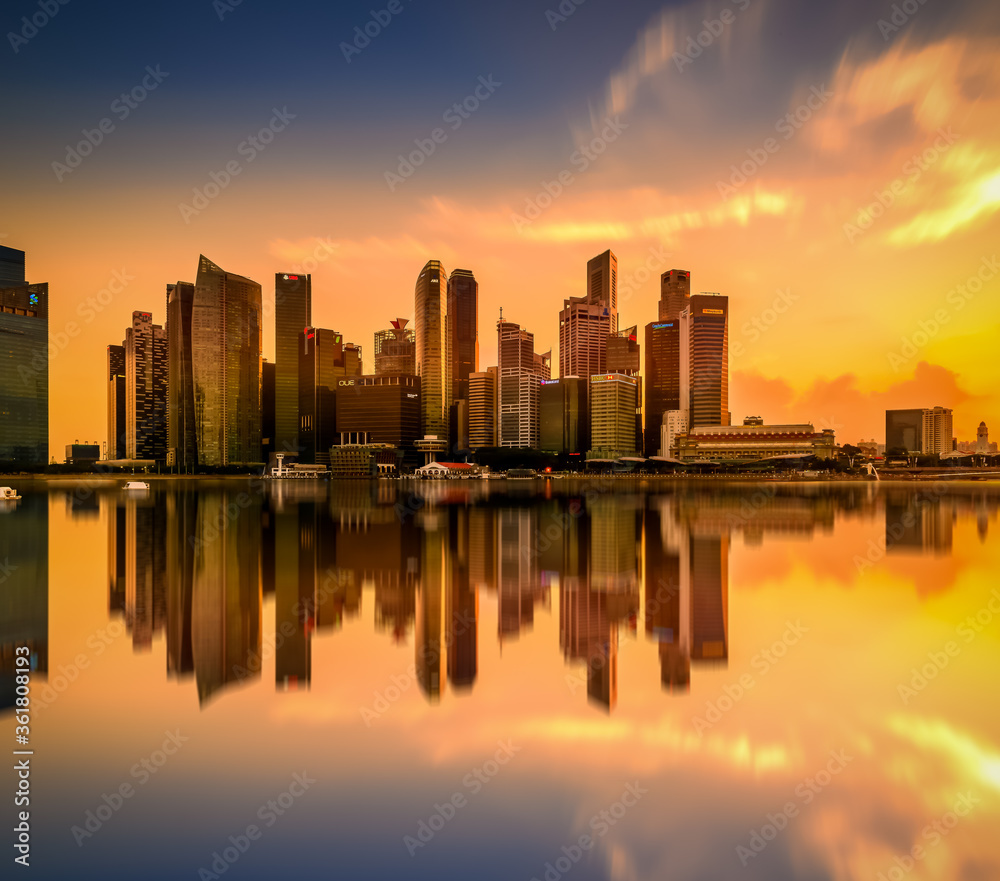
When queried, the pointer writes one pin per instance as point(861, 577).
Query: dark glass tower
point(663, 356)
point(292, 312)
point(116, 402)
point(326, 365)
point(24, 374)
point(145, 389)
point(709, 359)
point(226, 333)
point(182, 441)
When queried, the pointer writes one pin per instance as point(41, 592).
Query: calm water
point(706, 680)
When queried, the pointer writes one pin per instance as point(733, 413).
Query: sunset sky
point(868, 202)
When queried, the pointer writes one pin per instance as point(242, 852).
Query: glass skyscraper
point(182, 441)
point(116, 402)
point(433, 348)
point(292, 313)
point(226, 334)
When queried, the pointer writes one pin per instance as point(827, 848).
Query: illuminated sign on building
point(713, 311)
point(661, 326)
point(346, 382)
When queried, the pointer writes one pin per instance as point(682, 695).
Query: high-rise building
point(182, 436)
point(24, 369)
point(483, 409)
point(926, 431)
point(563, 420)
point(292, 312)
point(585, 323)
point(396, 350)
point(268, 414)
point(463, 333)
point(520, 371)
point(326, 365)
point(675, 294)
point(145, 389)
point(938, 431)
point(623, 357)
point(708, 338)
point(662, 378)
point(116, 402)
point(613, 398)
point(433, 348)
point(226, 332)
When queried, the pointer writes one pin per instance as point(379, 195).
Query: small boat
point(136, 485)
point(8, 494)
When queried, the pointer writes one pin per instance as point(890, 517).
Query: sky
point(833, 168)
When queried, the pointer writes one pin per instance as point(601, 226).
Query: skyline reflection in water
point(715, 642)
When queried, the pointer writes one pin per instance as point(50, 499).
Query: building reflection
point(197, 566)
point(24, 590)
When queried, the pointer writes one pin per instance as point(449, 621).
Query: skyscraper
point(463, 333)
point(938, 431)
point(396, 350)
point(483, 409)
point(564, 425)
point(326, 365)
point(182, 439)
point(226, 331)
point(11, 267)
point(116, 402)
point(24, 367)
point(663, 362)
point(433, 347)
point(292, 312)
point(708, 338)
point(624, 358)
point(520, 372)
point(145, 389)
point(585, 323)
point(613, 398)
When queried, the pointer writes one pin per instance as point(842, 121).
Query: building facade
point(182, 436)
point(433, 348)
point(145, 389)
point(116, 402)
point(585, 323)
point(613, 398)
point(292, 312)
point(926, 432)
point(396, 350)
point(24, 370)
point(751, 442)
point(520, 371)
point(379, 410)
point(226, 333)
point(483, 409)
point(327, 365)
point(707, 319)
point(564, 424)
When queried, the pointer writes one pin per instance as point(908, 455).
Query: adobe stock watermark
point(556, 17)
point(267, 813)
point(580, 159)
point(787, 126)
point(754, 328)
point(762, 663)
point(363, 36)
point(628, 283)
point(248, 149)
point(900, 17)
point(66, 674)
point(933, 833)
point(939, 660)
point(122, 107)
point(956, 299)
point(896, 530)
point(454, 116)
point(600, 824)
point(714, 28)
point(47, 10)
point(225, 7)
point(94, 819)
point(913, 169)
point(806, 793)
point(475, 781)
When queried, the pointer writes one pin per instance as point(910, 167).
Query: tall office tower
point(396, 350)
point(623, 357)
point(145, 389)
point(268, 417)
point(612, 414)
point(226, 333)
point(326, 364)
point(708, 338)
point(292, 312)
point(24, 364)
point(433, 347)
point(116, 402)
point(11, 267)
point(675, 294)
point(520, 372)
point(483, 409)
point(563, 416)
point(938, 431)
point(182, 437)
point(710, 597)
point(463, 332)
point(585, 323)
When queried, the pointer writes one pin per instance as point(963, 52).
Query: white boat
point(8, 494)
point(136, 485)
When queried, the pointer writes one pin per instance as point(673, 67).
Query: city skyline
point(866, 215)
